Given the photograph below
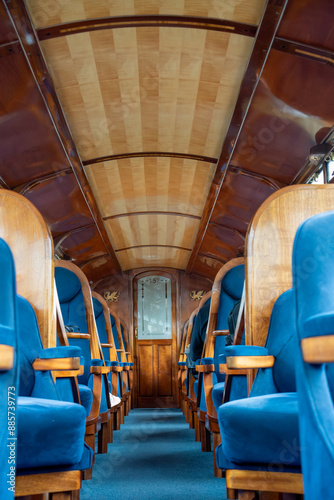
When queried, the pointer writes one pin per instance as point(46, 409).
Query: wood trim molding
point(6, 357)
point(149, 154)
point(286, 482)
point(133, 214)
point(152, 246)
point(318, 349)
point(263, 42)
point(304, 50)
point(249, 362)
point(192, 22)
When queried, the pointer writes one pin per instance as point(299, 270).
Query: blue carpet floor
point(154, 456)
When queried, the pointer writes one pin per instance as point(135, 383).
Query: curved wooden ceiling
point(185, 117)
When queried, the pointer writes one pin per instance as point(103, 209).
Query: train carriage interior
point(166, 249)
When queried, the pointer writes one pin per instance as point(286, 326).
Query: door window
point(154, 308)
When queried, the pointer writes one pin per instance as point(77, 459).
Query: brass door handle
point(136, 333)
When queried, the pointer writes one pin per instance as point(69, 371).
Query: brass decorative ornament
point(197, 294)
point(111, 296)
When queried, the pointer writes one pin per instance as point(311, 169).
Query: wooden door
point(155, 339)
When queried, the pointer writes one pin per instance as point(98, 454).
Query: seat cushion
point(261, 429)
point(50, 433)
point(86, 397)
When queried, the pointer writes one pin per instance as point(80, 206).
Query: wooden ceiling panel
point(153, 257)
point(47, 14)
point(148, 89)
point(152, 230)
point(286, 114)
point(98, 268)
point(240, 197)
point(222, 243)
point(207, 266)
point(309, 22)
point(61, 203)
point(82, 245)
point(150, 184)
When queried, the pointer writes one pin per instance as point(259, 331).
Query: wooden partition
point(269, 250)
point(26, 232)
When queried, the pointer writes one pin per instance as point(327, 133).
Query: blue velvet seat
point(227, 291)
point(123, 391)
point(102, 316)
point(261, 433)
point(42, 416)
point(77, 312)
point(8, 373)
point(313, 280)
point(197, 338)
point(129, 361)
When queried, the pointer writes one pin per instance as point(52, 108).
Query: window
point(154, 308)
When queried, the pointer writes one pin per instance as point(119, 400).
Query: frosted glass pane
point(154, 308)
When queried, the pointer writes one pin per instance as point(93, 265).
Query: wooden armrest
point(116, 368)
point(318, 349)
point(249, 362)
point(223, 369)
point(77, 335)
point(106, 345)
point(70, 373)
point(126, 352)
point(100, 370)
point(6, 357)
point(54, 364)
point(119, 350)
point(205, 368)
point(220, 333)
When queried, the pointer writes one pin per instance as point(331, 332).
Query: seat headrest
point(68, 284)
point(98, 307)
point(233, 281)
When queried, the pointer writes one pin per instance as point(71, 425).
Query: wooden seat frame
point(209, 420)
point(269, 246)
point(96, 421)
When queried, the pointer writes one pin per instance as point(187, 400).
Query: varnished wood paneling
point(265, 35)
point(25, 231)
point(61, 201)
point(309, 22)
point(150, 184)
point(146, 370)
point(165, 370)
point(278, 133)
point(153, 256)
point(36, 152)
point(240, 197)
point(44, 14)
point(152, 230)
point(269, 250)
point(148, 87)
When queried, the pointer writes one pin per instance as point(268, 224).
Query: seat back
point(313, 280)
point(283, 345)
point(8, 372)
point(72, 305)
point(269, 250)
point(232, 285)
point(125, 338)
point(227, 290)
point(77, 310)
point(25, 231)
point(103, 323)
